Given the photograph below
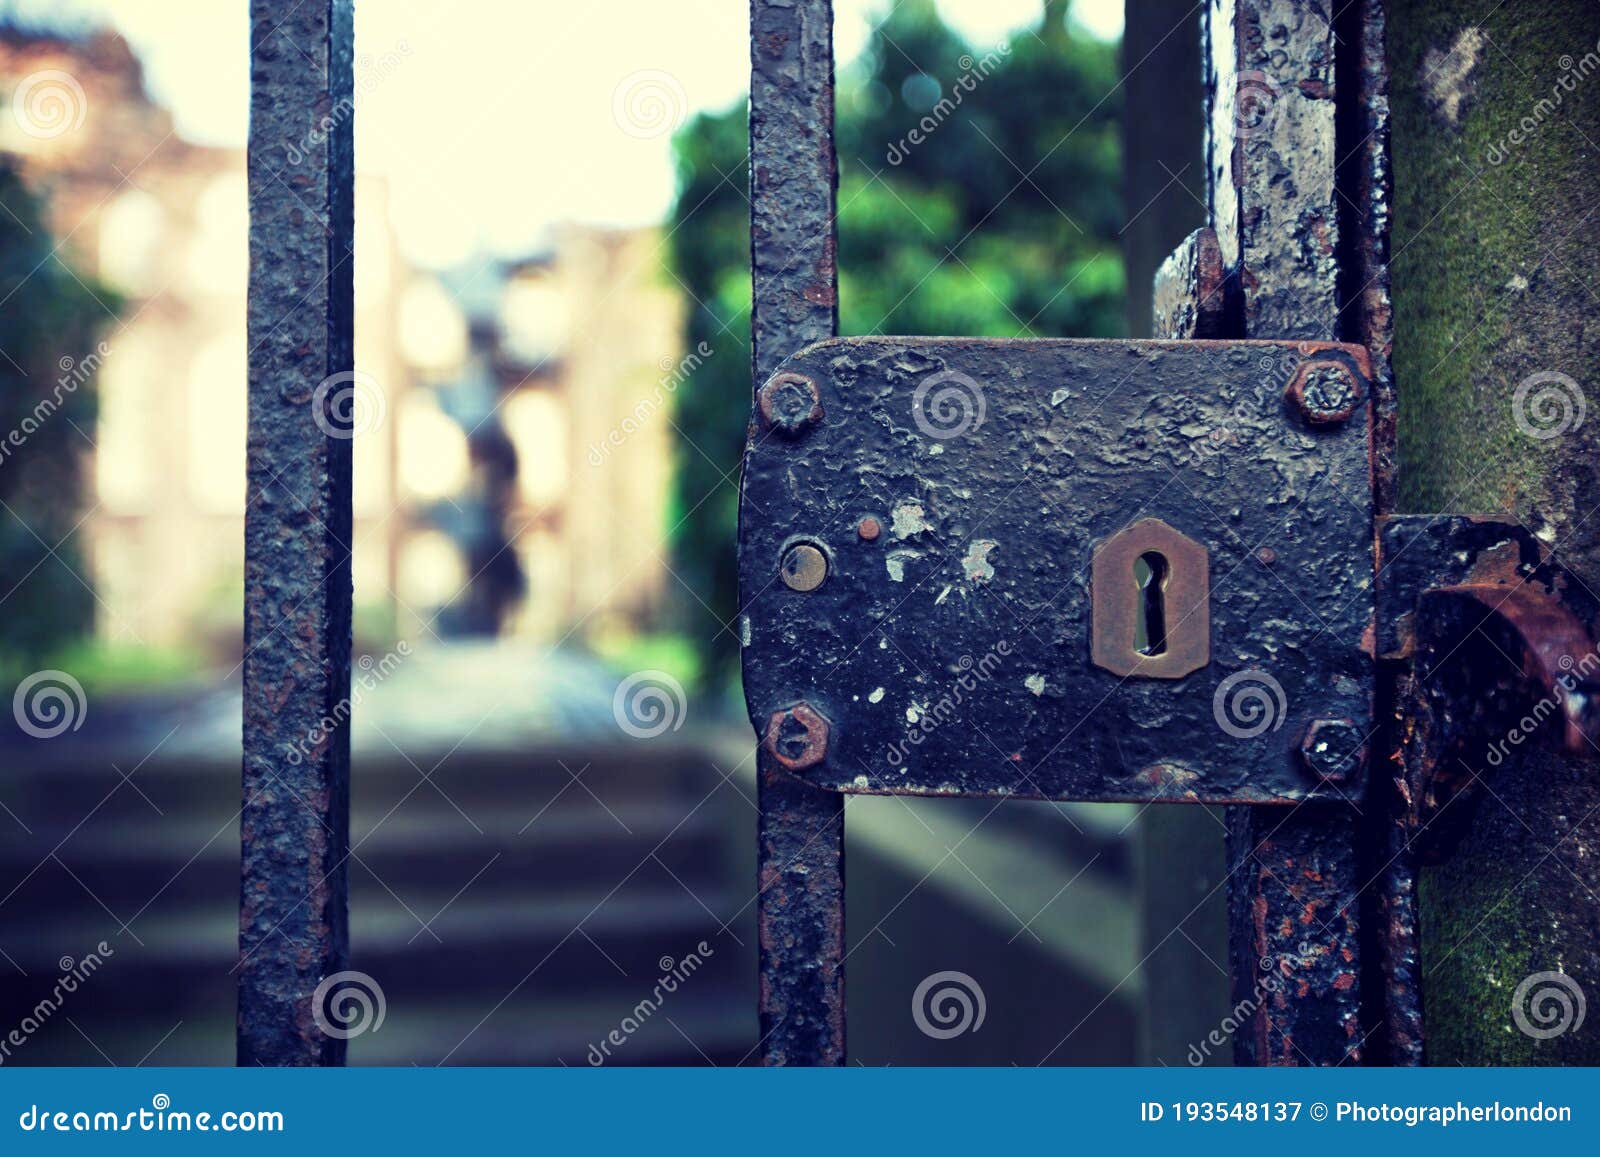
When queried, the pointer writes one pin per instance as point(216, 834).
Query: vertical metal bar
point(1295, 878)
point(295, 819)
point(792, 191)
point(1368, 318)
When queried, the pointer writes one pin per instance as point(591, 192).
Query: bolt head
point(1325, 392)
point(803, 567)
point(790, 403)
point(1333, 750)
point(797, 737)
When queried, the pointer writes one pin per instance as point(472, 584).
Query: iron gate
point(1329, 815)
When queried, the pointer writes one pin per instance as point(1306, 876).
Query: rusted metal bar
point(1365, 176)
point(1295, 879)
point(792, 193)
point(294, 824)
point(1191, 295)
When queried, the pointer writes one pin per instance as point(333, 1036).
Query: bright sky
point(490, 119)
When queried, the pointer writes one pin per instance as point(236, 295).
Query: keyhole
point(1150, 571)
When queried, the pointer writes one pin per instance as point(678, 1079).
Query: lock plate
point(960, 489)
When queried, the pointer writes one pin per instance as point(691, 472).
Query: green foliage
point(1003, 221)
point(46, 418)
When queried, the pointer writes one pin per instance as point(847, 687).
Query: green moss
point(1495, 227)
point(1492, 238)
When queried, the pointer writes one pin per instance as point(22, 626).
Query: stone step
point(54, 792)
point(687, 1028)
point(168, 864)
point(417, 948)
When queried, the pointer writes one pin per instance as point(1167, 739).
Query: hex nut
point(789, 403)
point(1334, 750)
point(1325, 392)
point(797, 737)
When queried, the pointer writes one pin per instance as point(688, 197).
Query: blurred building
point(599, 326)
point(483, 500)
point(552, 379)
point(162, 223)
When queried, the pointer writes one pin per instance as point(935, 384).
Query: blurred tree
point(979, 193)
point(49, 323)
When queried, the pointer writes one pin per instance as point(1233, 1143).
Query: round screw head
point(1325, 392)
point(797, 737)
point(869, 528)
point(804, 567)
point(1333, 749)
point(790, 403)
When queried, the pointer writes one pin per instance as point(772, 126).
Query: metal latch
point(1073, 570)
